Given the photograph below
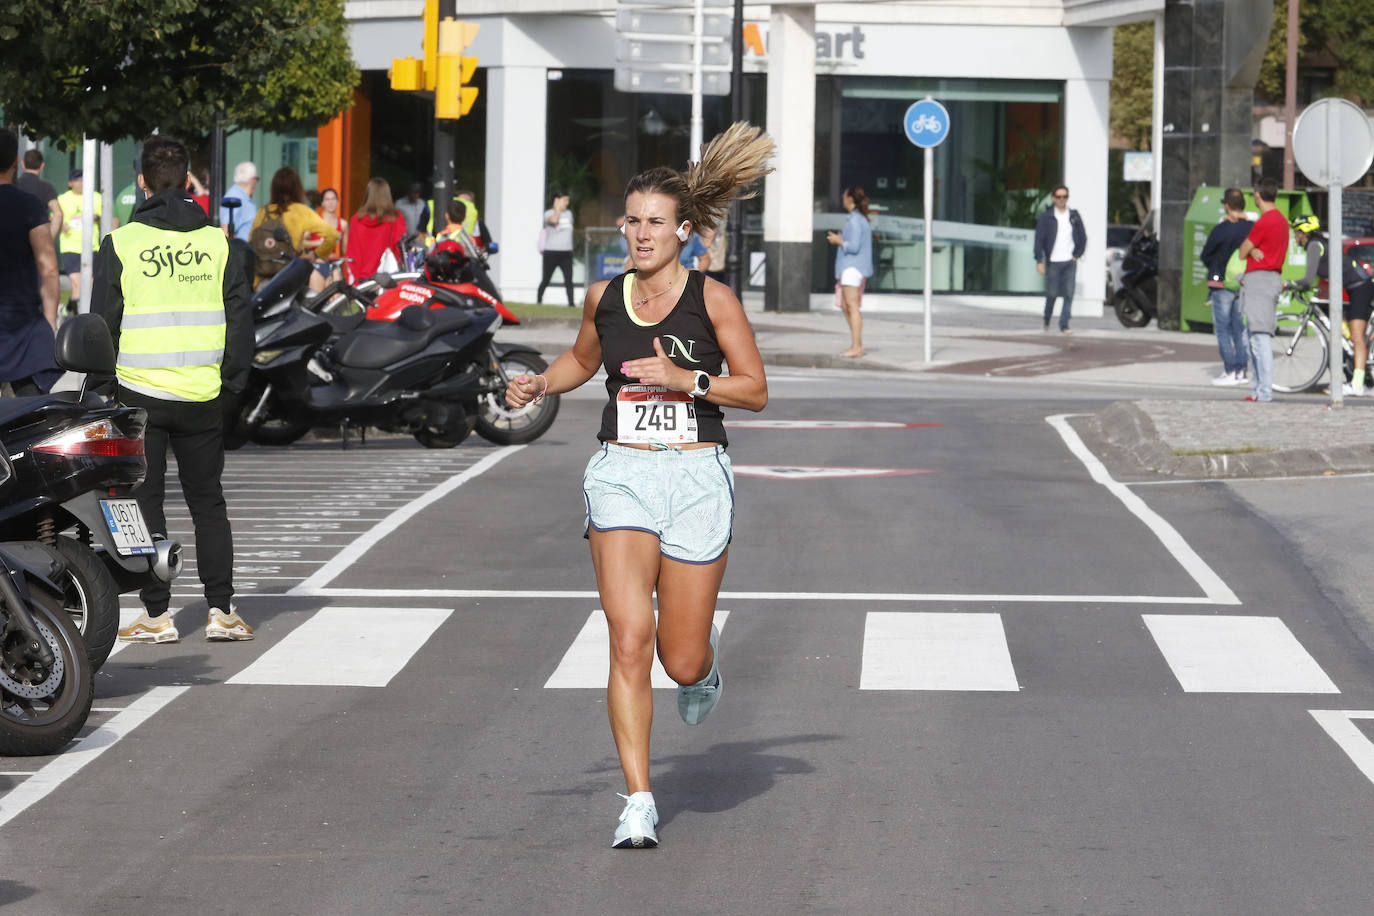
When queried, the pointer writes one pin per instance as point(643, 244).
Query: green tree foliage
point(1132, 87)
point(110, 69)
point(1338, 28)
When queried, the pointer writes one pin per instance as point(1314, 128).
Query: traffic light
point(407, 74)
point(453, 97)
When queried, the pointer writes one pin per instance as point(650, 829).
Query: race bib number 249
point(651, 413)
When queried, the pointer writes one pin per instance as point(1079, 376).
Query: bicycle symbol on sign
point(924, 122)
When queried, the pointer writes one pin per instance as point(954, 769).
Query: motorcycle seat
point(377, 344)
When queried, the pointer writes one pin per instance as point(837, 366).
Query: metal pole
point(107, 188)
point(217, 169)
point(445, 141)
point(694, 153)
point(734, 235)
point(1290, 94)
point(1157, 127)
point(88, 160)
point(1336, 290)
point(929, 157)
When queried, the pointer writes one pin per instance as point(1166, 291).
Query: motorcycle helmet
point(445, 263)
point(1307, 225)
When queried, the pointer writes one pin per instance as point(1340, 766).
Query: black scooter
point(422, 374)
point(1136, 298)
point(74, 457)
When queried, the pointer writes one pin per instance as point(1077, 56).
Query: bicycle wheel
point(1300, 353)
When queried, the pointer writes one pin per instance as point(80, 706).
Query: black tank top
point(686, 335)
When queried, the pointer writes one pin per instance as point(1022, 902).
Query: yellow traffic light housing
point(431, 44)
point(407, 74)
point(453, 98)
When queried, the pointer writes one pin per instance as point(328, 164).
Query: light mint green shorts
point(685, 498)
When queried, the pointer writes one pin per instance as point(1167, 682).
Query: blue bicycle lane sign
point(926, 123)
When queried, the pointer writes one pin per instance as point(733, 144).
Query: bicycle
point(1301, 343)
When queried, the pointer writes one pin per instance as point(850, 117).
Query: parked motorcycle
point(46, 679)
point(1135, 299)
point(74, 457)
point(456, 276)
point(422, 374)
point(320, 360)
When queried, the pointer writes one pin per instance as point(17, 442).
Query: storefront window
point(599, 138)
point(993, 174)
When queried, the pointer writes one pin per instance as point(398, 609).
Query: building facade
point(1027, 95)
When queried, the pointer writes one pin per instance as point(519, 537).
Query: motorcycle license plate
point(125, 520)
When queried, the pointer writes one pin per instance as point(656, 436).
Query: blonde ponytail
point(734, 160)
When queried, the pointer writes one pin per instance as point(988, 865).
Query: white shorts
point(851, 277)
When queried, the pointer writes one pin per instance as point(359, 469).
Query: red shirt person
point(1265, 251)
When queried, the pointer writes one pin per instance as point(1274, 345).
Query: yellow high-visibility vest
point(171, 338)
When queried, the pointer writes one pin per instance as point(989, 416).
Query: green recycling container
point(1204, 213)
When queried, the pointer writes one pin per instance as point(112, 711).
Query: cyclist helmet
point(1307, 225)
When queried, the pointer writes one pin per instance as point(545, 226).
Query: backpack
point(271, 244)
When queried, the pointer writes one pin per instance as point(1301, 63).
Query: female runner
point(659, 491)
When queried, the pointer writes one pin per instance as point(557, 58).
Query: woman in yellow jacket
point(287, 202)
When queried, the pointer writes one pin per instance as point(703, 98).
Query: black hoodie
point(174, 209)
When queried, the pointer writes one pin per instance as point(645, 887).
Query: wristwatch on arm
point(703, 384)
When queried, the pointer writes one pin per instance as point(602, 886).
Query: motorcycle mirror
point(385, 281)
point(84, 345)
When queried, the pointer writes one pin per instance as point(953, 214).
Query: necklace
point(639, 303)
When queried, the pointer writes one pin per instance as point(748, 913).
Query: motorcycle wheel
point(90, 597)
point(1129, 310)
point(443, 438)
point(41, 712)
point(276, 429)
point(498, 423)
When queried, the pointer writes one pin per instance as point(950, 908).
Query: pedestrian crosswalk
point(958, 652)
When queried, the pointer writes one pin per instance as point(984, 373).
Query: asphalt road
point(964, 675)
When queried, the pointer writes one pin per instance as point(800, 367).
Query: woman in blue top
point(853, 263)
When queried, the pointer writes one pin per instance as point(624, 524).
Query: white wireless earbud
point(622, 228)
point(682, 232)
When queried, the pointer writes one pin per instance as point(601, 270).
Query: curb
point(1125, 425)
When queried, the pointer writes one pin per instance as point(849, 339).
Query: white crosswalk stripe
point(1232, 654)
point(587, 662)
point(926, 651)
point(346, 647)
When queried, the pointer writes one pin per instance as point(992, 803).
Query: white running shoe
point(695, 701)
point(1350, 391)
point(637, 823)
point(1226, 378)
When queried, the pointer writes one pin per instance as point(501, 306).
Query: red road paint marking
point(827, 424)
point(794, 472)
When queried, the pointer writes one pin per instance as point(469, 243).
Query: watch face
point(703, 381)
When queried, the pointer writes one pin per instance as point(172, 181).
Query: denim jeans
point(1060, 277)
point(1262, 365)
point(1229, 322)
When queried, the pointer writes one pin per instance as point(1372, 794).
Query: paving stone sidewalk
point(1224, 439)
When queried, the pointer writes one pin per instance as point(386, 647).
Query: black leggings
point(563, 261)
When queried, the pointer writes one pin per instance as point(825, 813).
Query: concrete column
point(1212, 54)
point(788, 191)
point(514, 200)
point(1086, 137)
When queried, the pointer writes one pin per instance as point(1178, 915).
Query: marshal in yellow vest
point(171, 338)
